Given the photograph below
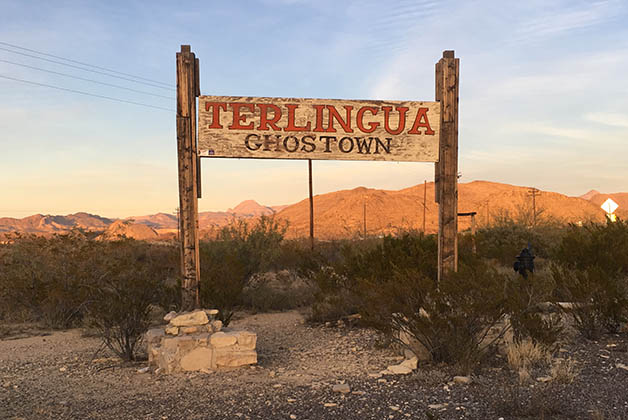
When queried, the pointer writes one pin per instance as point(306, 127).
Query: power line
point(85, 93)
point(83, 64)
point(87, 80)
point(84, 69)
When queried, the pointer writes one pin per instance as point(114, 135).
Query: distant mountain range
point(346, 213)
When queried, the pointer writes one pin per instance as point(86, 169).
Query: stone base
point(178, 348)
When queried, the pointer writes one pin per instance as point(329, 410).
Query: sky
point(543, 94)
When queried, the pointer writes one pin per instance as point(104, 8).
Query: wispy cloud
point(566, 17)
point(608, 118)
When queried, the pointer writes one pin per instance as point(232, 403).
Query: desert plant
point(564, 371)
point(523, 354)
point(597, 301)
point(131, 276)
point(280, 290)
point(346, 271)
point(450, 320)
point(523, 297)
point(48, 277)
point(229, 261)
point(504, 239)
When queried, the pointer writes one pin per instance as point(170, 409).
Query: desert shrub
point(523, 297)
point(131, 276)
point(603, 245)
point(596, 301)
point(591, 272)
point(341, 268)
point(564, 371)
point(228, 262)
point(65, 279)
point(333, 298)
point(504, 240)
point(523, 354)
point(277, 290)
point(452, 321)
point(47, 277)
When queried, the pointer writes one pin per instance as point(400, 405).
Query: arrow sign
point(609, 206)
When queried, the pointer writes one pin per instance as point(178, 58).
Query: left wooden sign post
point(188, 90)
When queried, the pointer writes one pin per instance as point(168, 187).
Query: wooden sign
point(323, 129)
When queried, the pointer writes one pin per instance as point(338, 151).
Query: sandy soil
point(65, 375)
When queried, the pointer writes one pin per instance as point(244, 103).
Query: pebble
point(292, 416)
point(437, 406)
point(330, 405)
point(343, 388)
point(394, 407)
point(63, 369)
point(463, 380)
point(143, 370)
point(622, 366)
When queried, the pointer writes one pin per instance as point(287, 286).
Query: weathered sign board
point(325, 129)
point(319, 129)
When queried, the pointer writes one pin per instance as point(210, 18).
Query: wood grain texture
point(277, 140)
point(447, 87)
point(187, 170)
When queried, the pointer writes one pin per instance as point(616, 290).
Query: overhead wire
point(85, 93)
point(85, 79)
point(84, 64)
point(89, 70)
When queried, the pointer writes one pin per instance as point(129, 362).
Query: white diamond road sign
point(609, 206)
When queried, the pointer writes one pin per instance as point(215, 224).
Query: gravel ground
point(64, 375)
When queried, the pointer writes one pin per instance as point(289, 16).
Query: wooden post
point(364, 214)
point(474, 249)
point(309, 167)
point(446, 169)
point(424, 202)
point(187, 91)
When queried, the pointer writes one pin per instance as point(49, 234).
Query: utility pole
point(364, 213)
point(309, 166)
point(424, 202)
point(533, 192)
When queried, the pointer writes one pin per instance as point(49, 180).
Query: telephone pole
point(424, 203)
point(364, 218)
point(533, 192)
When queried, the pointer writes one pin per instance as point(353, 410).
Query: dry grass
point(564, 371)
point(526, 353)
point(524, 376)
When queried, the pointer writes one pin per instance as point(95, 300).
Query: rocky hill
point(344, 214)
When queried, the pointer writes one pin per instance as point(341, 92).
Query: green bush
point(277, 290)
point(591, 272)
point(504, 240)
point(48, 277)
point(523, 299)
point(342, 267)
point(65, 279)
point(131, 276)
point(452, 321)
point(228, 262)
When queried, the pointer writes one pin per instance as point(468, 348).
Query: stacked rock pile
point(196, 341)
